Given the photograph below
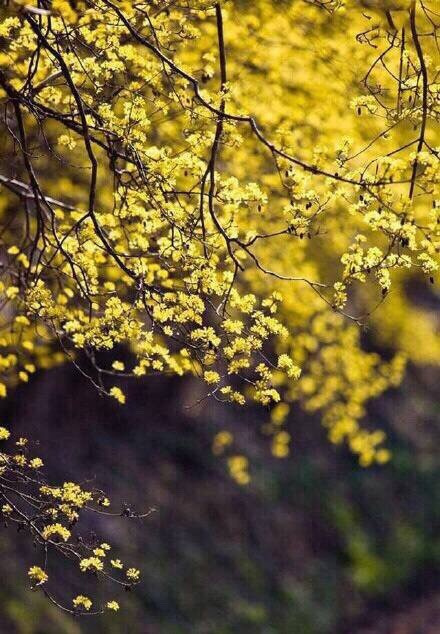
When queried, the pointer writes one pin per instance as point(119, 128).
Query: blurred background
point(315, 544)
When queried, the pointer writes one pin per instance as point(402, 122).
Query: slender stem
point(424, 73)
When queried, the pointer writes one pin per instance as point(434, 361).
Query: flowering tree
point(228, 189)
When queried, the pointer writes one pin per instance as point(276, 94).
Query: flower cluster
point(50, 515)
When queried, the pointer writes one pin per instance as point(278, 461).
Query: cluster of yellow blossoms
point(50, 515)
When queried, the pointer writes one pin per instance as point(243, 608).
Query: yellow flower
point(37, 575)
point(20, 460)
point(238, 469)
point(36, 463)
point(91, 563)
point(286, 363)
point(99, 552)
point(211, 377)
point(118, 394)
point(12, 291)
point(22, 320)
point(221, 440)
point(4, 433)
point(113, 605)
point(83, 601)
point(133, 574)
point(116, 563)
point(118, 366)
point(55, 529)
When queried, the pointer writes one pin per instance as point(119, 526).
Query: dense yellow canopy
point(230, 189)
